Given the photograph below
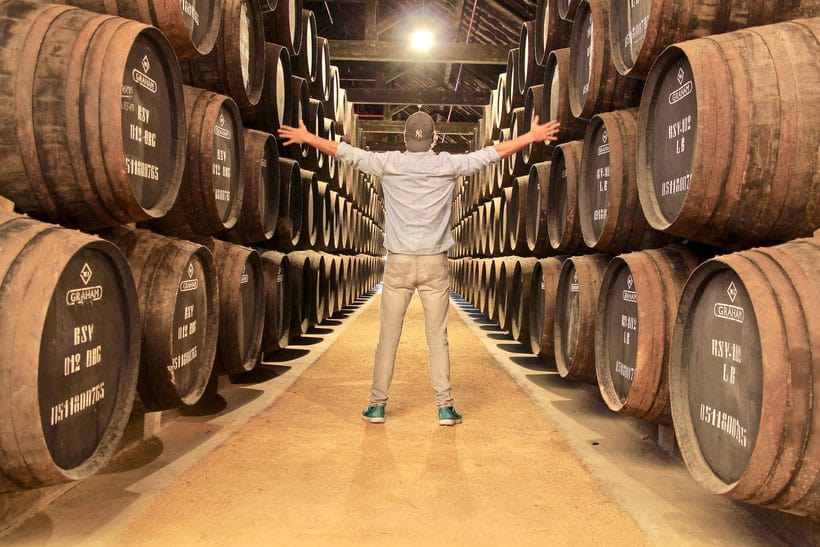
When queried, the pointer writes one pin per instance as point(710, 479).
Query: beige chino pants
point(403, 275)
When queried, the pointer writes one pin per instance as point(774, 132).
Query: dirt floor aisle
point(308, 470)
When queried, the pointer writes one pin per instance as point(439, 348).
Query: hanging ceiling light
point(422, 40)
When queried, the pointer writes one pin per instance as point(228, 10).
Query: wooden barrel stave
point(551, 31)
point(48, 170)
point(563, 225)
point(519, 297)
point(636, 334)
point(730, 200)
point(639, 33)
point(594, 83)
point(283, 25)
point(576, 303)
point(236, 65)
point(609, 209)
point(542, 305)
point(208, 202)
point(87, 357)
point(555, 97)
point(260, 202)
point(276, 272)
point(179, 313)
point(768, 455)
point(191, 27)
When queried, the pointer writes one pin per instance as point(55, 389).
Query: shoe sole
point(373, 420)
point(449, 422)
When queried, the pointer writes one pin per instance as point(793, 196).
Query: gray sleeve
point(467, 164)
point(368, 162)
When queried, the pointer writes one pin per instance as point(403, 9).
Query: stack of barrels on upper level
point(678, 143)
point(170, 235)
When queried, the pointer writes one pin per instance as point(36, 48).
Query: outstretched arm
point(545, 132)
point(300, 135)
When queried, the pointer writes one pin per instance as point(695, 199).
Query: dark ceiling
point(476, 36)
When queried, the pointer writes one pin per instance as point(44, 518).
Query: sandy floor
point(309, 471)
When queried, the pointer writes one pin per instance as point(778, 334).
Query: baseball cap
point(418, 132)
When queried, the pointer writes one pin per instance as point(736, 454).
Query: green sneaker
point(447, 415)
point(373, 414)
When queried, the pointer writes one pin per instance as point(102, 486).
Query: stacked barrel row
point(684, 148)
point(153, 231)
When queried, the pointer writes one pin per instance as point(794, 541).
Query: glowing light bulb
point(422, 40)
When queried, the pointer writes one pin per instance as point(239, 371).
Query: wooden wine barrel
point(324, 216)
point(331, 285)
point(276, 275)
point(551, 31)
point(241, 307)
point(520, 299)
point(494, 217)
point(543, 289)
point(311, 210)
point(563, 225)
point(517, 216)
point(261, 179)
point(306, 61)
point(594, 83)
point(493, 270)
point(70, 315)
point(555, 98)
point(639, 33)
point(515, 162)
point(503, 224)
point(236, 66)
point(179, 313)
point(530, 72)
point(300, 293)
point(567, 9)
point(335, 96)
point(576, 302)
point(291, 203)
point(515, 98)
point(535, 152)
point(609, 210)
point(300, 97)
point(320, 85)
point(275, 106)
point(743, 376)
point(126, 167)
point(633, 330)
point(536, 209)
point(210, 197)
point(311, 158)
point(191, 26)
point(283, 25)
point(314, 292)
point(752, 88)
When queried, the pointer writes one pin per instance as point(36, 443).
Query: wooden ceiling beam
point(375, 51)
point(420, 96)
point(451, 128)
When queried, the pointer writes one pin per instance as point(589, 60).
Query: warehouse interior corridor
point(281, 457)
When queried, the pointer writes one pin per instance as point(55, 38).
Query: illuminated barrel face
point(82, 355)
point(672, 137)
point(225, 162)
point(150, 145)
point(724, 374)
point(191, 313)
point(621, 331)
point(597, 185)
